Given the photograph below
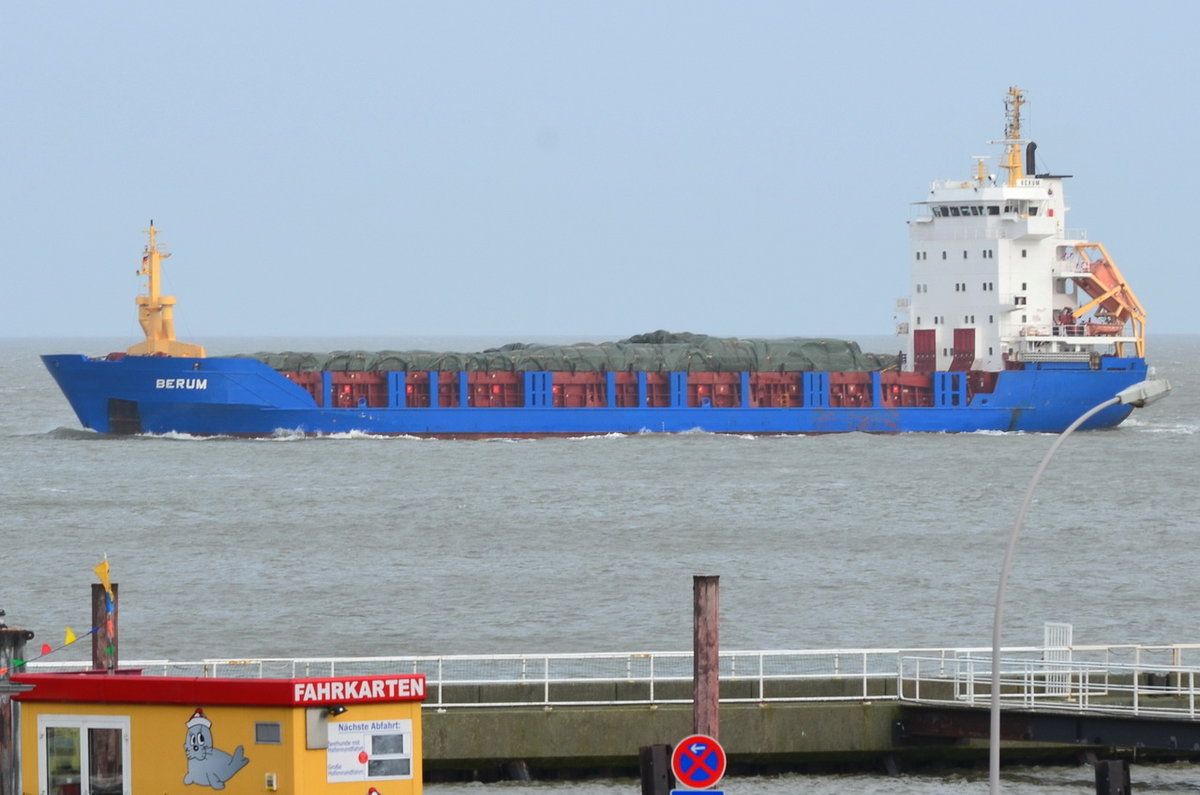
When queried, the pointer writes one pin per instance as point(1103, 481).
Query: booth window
point(84, 755)
point(268, 733)
point(388, 758)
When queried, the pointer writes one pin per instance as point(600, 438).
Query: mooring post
point(1112, 777)
point(706, 656)
point(104, 621)
point(655, 764)
point(12, 648)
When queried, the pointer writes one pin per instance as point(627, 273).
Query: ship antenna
point(1012, 135)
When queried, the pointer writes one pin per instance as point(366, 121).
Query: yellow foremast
point(156, 312)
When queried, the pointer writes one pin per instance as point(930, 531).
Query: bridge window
point(993, 209)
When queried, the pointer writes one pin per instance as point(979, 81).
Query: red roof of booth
point(130, 688)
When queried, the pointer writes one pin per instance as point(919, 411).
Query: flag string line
point(14, 663)
point(102, 571)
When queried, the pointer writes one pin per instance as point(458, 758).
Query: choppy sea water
point(355, 545)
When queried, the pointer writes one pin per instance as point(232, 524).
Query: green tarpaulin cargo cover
point(658, 351)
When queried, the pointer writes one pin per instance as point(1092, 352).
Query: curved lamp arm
point(1138, 395)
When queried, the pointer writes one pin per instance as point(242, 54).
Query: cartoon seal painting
point(208, 766)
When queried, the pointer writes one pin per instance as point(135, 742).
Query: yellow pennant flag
point(70, 638)
point(102, 573)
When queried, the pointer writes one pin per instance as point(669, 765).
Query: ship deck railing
point(1128, 677)
point(991, 232)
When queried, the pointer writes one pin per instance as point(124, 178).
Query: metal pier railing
point(1145, 686)
point(1135, 679)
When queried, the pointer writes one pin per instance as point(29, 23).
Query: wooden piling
point(706, 655)
point(12, 647)
point(104, 639)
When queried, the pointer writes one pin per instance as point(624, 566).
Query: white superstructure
point(999, 279)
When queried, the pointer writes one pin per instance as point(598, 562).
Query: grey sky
point(578, 169)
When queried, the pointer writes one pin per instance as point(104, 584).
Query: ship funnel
point(1030, 167)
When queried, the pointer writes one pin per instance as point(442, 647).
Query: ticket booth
point(118, 734)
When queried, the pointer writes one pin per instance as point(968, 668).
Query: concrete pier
point(606, 739)
point(581, 740)
point(467, 742)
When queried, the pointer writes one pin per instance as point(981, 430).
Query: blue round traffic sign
point(698, 761)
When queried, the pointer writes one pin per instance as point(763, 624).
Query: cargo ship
point(1014, 323)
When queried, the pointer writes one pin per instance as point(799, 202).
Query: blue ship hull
point(244, 397)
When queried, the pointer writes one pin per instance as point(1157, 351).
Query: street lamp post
point(1138, 395)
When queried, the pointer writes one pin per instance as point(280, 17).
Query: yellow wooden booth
point(118, 734)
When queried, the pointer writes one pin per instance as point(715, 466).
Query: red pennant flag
point(109, 627)
point(46, 649)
